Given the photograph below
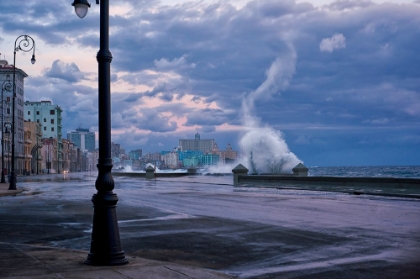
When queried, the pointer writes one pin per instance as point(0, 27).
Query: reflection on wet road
point(247, 232)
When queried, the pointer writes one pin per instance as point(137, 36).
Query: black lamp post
point(24, 43)
point(37, 150)
point(7, 131)
point(49, 155)
point(105, 246)
point(7, 85)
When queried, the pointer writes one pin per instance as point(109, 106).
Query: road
point(246, 232)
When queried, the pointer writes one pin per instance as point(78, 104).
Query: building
point(197, 144)
point(189, 154)
point(191, 162)
point(225, 156)
point(72, 157)
point(83, 138)
point(171, 160)
point(67, 155)
point(209, 159)
point(49, 116)
point(230, 154)
point(33, 136)
point(115, 149)
point(152, 157)
point(135, 154)
point(6, 74)
point(49, 155)
point(89, 160)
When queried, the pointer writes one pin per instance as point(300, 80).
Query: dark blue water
point(384, 171)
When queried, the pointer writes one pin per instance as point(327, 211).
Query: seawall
point(334, 180)
point(382, 186)
point(143, 174)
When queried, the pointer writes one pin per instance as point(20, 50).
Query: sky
point(337, 82)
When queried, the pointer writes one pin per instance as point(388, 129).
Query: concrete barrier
point(150, 172)
point(300, 170)
point(143, 174)
point(192, 171)
point(238, 171)
point(333, 180)
point(407, 187)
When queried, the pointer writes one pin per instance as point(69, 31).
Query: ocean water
point(376, 171)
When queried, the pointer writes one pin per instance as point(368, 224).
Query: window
point(37, 113)
point(29, 113)
point(45, 119)
point(8, 99)
point(45, 128)
point(52, 112)
point(8, 110)
point(37, 120)
point(52, 121)
point(52, 129)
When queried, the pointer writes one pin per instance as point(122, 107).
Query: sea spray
point(263, 150)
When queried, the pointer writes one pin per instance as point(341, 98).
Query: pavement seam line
point(179, 272)
point(39, 261)
point(126, 276)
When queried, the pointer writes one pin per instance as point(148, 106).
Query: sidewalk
point(20, 261)
point(5, 192)
point(36, 262)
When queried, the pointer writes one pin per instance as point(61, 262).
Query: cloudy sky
point(338, 81)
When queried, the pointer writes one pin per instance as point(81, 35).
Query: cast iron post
point(24, 43)
point(105, 246)
point(7, 85)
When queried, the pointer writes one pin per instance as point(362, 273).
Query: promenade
point(203, 227)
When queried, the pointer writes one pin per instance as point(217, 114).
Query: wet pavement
point(204, 222)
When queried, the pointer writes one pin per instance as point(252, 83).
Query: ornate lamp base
point(105, 247)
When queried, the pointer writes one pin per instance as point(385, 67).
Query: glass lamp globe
point(81, 7)
point(81, 10)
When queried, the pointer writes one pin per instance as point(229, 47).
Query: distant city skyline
point(335, 81)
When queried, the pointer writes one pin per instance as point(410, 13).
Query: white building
point(171, 159)
point(197, 144)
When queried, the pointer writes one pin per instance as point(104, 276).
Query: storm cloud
point(335, 80)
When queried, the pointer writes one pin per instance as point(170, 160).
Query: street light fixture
point(24, 43)
point(105, 246)
point(49, 154)
point(7, 131)
point(37, 150)
point(7, 86)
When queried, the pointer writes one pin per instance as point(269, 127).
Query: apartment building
point(197, 144)
point(82, 138)
point(49, 115)
point(6, 76)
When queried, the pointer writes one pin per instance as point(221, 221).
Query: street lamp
point(37, 149)
point(24, 43)
point(7, 85)
point(49, 155)
point(7, 131)
point(105, 246)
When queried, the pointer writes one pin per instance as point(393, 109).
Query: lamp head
point(33, 59)
point(81, 7)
